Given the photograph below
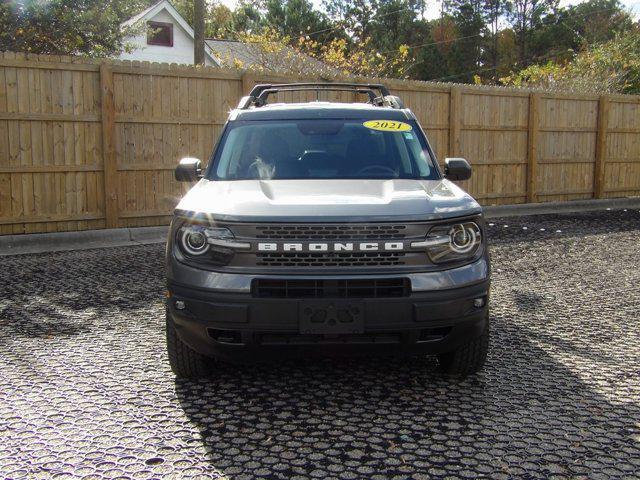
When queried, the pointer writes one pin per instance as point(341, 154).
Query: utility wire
point(375, 17)
point(543, 57)
point(478, 70)
point(455, 39)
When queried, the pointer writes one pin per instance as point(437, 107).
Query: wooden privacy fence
point(87, 144)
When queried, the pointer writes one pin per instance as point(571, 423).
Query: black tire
point(468, 358)
point(185, 362)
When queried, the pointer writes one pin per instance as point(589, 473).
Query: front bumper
point(184, 275)
point(237, 325)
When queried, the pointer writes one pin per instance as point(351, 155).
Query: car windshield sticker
point(387, 125)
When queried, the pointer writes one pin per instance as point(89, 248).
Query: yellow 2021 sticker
point(387, 125)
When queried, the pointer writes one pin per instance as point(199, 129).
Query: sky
point(433, 8)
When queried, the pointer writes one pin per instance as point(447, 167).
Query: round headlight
point(453, 243)
point(462, 238)
point(194, 241)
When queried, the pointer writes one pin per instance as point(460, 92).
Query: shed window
point(160, 33)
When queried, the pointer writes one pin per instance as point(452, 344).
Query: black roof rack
point(260, 93)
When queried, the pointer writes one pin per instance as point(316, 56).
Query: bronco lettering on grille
point(331, 247)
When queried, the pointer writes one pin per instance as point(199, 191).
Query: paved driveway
point(85, 389)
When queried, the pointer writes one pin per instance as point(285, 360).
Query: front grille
point(354, 288)
point(331, 232)
point(333, 259)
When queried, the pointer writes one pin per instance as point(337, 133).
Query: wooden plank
point(5, 196)
point(491, 128)
point(567, 129)
point(147, 213)
point(455, 120)
point(24, 63)
point(35, 105)
point(532, 146)
point(623, 130)
point(108, 147)
point(70, 184)
point(3, 92)
point(564, 160)
point(624, 98)
point(48, 145)
point(169, 71)
point(485, 196)
point(50, 168)
point(25, 141)
point(565, 192)
point(63, 217)
point(623, 189)
point(487, 91)
point(88, 81)
point(178, 120)
point(601, 147)
point(49, 117)
point(569, 96)
point(248, 82)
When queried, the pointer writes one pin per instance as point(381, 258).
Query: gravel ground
point(86, 391)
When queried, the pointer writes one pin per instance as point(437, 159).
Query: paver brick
point(86, 391)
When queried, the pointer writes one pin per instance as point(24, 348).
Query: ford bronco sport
point(325, 227)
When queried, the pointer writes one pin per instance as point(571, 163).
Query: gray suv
point(325, 228)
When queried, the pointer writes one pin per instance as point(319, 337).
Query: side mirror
point(188, 170)
point(457, 169)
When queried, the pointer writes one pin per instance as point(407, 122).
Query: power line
point(420, 45)
point(478, 70)
point(543, 57)
point(375, 17)
point(455, 39)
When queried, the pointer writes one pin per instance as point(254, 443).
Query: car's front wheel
point(469, 358)
point(185, 362)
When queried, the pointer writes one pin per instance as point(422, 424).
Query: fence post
point(455, 98)
point(108, 147)
point(601, 146)
point(532, 147)
point(248, 81)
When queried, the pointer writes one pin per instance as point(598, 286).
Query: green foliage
point(613, 66)
point(273, 52)
point(466, 53)
point(65, 27)
point(578, 27)
point(294, 18)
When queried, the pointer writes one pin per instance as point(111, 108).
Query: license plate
point(331, 317)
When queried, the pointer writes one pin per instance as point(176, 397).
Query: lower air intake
point(374, 288)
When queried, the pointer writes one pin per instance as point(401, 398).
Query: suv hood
point(327, 200)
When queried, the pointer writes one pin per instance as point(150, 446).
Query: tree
point(494, 10)
point(595, 21)
point(353, 16)
point(434, 50)
point(198, 32)
point(613, 66)
point(304, 56)
point(246, 18)
point(66, 27)
point(525, 16)
point(295, 18)
point(219, 21)
point(466, 52)
point(577, 27)
point(507, 53)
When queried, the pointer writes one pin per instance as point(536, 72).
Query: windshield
point(322, 149)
